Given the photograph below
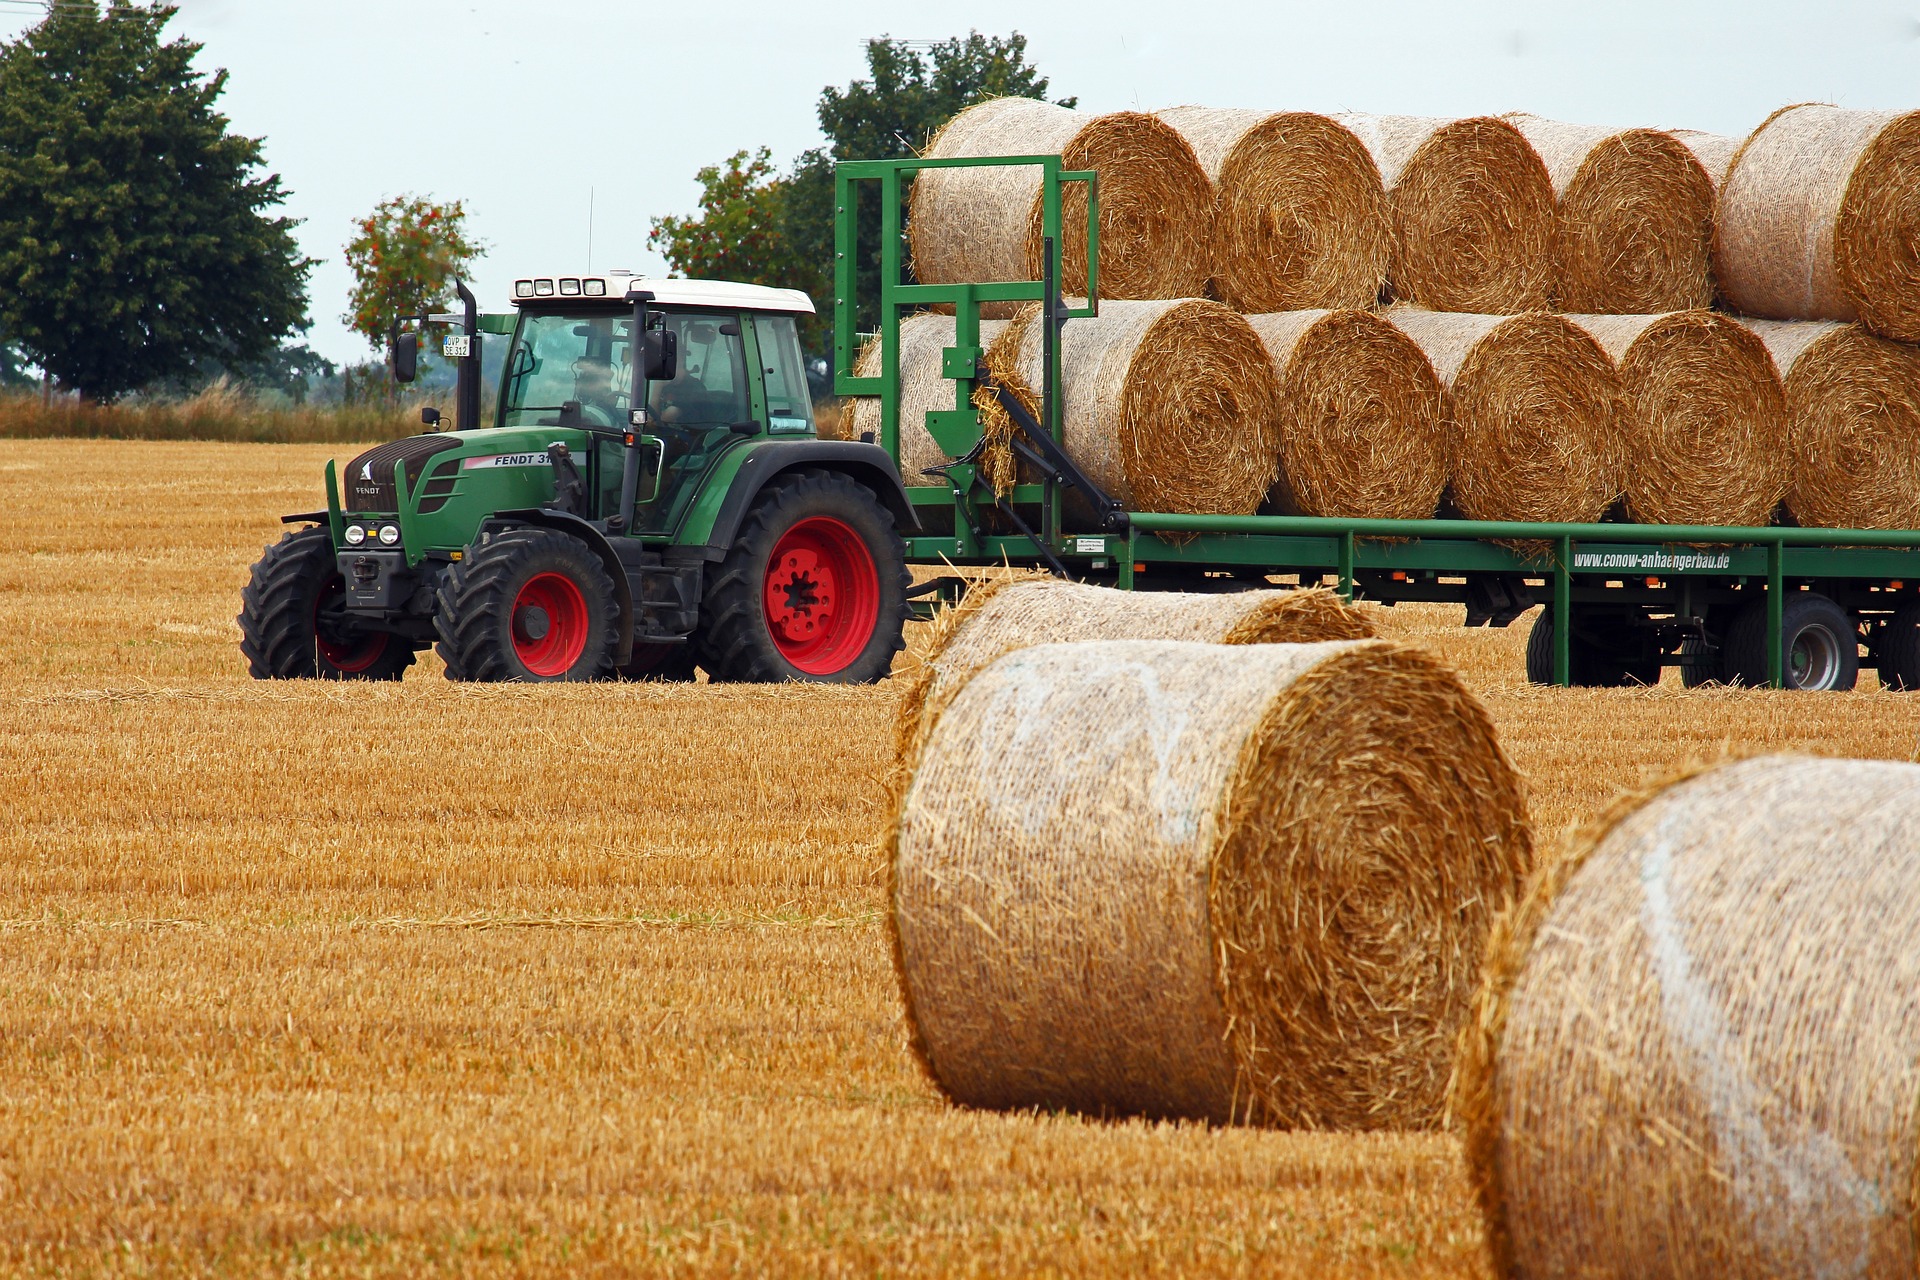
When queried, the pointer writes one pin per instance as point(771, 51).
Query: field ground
point(326, 979)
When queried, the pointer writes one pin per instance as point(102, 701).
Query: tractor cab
point(736, 371)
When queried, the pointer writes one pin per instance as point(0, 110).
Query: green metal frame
point(1279, 544)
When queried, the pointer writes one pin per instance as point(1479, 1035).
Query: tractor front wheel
point(294, 624)
point(527, 605)
point(814, 587)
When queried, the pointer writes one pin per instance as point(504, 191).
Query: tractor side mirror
point(660, 348)
point(406, 357)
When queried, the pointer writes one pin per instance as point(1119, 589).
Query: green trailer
point(1787, 606)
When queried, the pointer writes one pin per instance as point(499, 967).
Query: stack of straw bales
point(1308, 223)
point(1156, 203)
point(1698, 1049)
point(1231, 883)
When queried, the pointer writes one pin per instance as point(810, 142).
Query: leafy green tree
point(405, 256)
point(783, 225)
point(136, 234)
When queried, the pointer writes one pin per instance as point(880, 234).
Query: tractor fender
point(866, 464)
point(563, 522)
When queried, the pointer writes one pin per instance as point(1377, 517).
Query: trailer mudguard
point(715, 516)
point(563, 522)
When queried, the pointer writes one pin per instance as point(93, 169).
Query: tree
point(404, 260)
point(136, 235)
point(909, 92)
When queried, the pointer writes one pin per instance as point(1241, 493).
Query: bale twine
point(1698, 1050)
point(1008, 613)
point(1362, 418)
point(1820, 219)
point(1299, 215)
point(1169, 406)
point(1853, 424)
point(985, 224)
point(1472, 212)
point(923, 388)
point(1633, 217)
point(1535, 409)
point(1705, 420)
point(1239, 884)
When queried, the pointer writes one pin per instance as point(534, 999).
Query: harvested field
point(420, 980)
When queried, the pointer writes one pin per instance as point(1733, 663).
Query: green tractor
point(649, 495)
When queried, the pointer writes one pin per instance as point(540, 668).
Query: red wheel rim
point(549, 624)
point(349, 656)
point(822, 596)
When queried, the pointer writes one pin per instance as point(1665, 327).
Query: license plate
point(456, 348)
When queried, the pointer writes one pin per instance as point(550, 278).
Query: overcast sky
point(527, 109)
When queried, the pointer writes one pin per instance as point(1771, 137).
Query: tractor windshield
point(583, 357)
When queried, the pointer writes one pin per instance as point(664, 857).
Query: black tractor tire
point(1819, 644)
point(1589, 666)
point(813, 588)
point(290, 617)
point(666, 663)
point(1899, 650)
point(1712, 670)
point(527, 605)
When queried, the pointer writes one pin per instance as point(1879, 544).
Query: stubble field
point(334, 979)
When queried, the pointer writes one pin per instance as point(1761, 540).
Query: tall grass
point(221, 412)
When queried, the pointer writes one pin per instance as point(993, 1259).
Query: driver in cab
point(593, 388)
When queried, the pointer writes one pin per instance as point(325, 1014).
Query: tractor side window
point(789, 403)
point(557, 358)
point(710, 387)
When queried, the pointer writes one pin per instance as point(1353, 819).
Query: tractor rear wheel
point(293, 621)
point(814, 587)
point(527, 605)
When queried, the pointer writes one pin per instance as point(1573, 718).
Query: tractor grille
point(369, 477)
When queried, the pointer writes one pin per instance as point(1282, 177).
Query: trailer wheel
point(1590, 665)
point(814, 587)
point(527, 605)
point(293, 625)
point(1819, 644)
point(1899, 650)
point(1710, 667)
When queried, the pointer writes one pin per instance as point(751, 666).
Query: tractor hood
point(368, 479)
point(499, 467)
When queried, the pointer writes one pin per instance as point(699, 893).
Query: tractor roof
point(612, 287)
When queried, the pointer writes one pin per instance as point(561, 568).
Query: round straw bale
point(1633, 219)
point(985, 224)
point(1853, 424)
point(1233, 883)
point(1002, 615)
point(1299, 215)
point(1472, 212)
point(1704, 421)
point(1714, 151)
point(1820, 219)
point(1535, 408)
point(1698, 1049)
point(1169, 406)
point(923, 388)
point(1362, 417)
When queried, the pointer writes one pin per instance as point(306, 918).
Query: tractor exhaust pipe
point(466, 393)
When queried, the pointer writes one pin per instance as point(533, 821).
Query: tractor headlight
point(389, 534)
point(355, 535)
